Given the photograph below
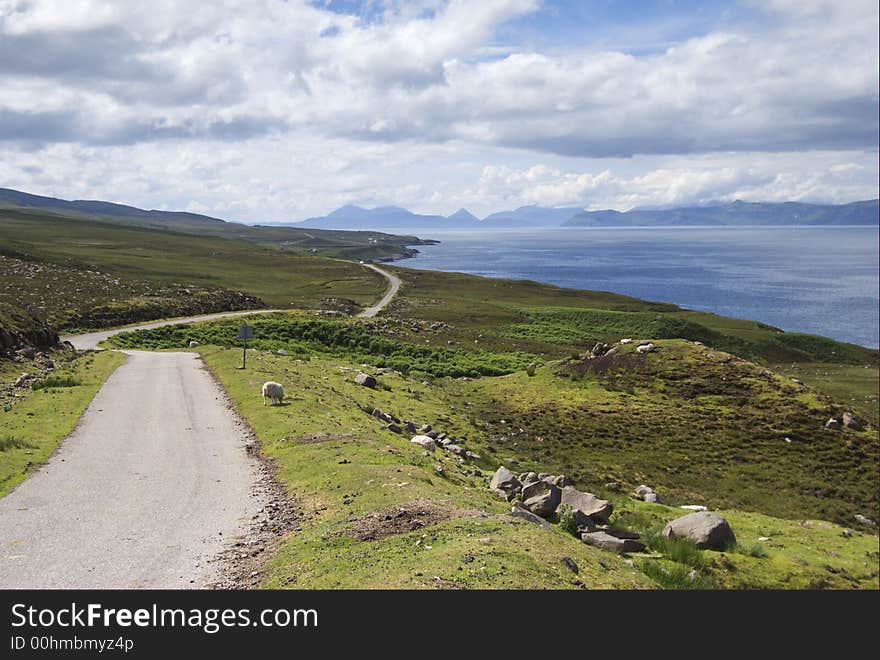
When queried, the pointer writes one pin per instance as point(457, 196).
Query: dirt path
point(152, 484)
point(394, 282)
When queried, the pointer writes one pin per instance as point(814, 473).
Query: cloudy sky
point(264, 110)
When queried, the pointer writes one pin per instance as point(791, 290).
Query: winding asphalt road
point(153, 483)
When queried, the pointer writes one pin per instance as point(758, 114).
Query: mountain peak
point(463, 214)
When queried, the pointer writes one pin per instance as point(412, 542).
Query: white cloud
point(271, 109)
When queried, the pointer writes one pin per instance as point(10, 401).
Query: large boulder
point(365, 379)
point(505, 482)
point(706, 530)
point(607, 542)
point(424, 441)
point(541, 498)
point(597, 509)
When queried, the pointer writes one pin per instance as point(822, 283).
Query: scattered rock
point(570, 564)
point(394, 428)
point(613, 485)
point(525, 514)
point(619, 533)
point(424, 441)
point(597, 509)
point(541, 498)
point(651, 498)
point(607, 542)
point(850, 421)
point(865, 520)
point(706, 530)
point(528, 478)
point(365, 379)
point(505, 482)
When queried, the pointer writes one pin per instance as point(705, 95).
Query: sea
point(820, 280)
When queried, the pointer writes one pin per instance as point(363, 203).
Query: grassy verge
point(33, 427)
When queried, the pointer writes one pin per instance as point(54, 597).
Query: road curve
point(149, 487)
point(90, 341)
point(394, 282)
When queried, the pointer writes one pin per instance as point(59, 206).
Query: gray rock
point(541, 498)
point(619, 533)
point(562, 481)
point(505, 481)
point(280, 351)
point(455, 449)
point(706, 530)
point(424, 428)
point(525, 514)
point(607, 542)
point(570, 564)
point(850, 421)
point(472, 455)
point(528, 478)
point(411, 428)
point(365, 379)
point(865, 520)
point(612, 351)
point(394, 428)
point(194, 343)
point(424, 441)
point(643, 490)
point(432, 434)
point(612, 486)
point(832, 424)
point(651, 498)
point(597, 509)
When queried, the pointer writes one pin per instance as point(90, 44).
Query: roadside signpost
point(244, 333)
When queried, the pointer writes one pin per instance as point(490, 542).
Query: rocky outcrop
point(505, 483)
point(706, 530)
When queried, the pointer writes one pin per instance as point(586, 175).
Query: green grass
point(341, 466)
point(55, 381)
point(40, 420)
point(303, 335)
point(99, 265)
point(699, 425)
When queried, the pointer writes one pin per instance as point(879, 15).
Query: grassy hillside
point(330, 243)
point(74, 266)
point(698, 423)
point(379, 513)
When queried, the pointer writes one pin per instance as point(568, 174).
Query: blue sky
point(278, 110)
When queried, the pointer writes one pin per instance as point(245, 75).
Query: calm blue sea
point(822, 280)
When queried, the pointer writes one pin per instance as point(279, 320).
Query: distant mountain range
point(395, 218)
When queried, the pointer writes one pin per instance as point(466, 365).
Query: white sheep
point(193, 343)
point(626, 341)
point(273, 391)
point(645, 348)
